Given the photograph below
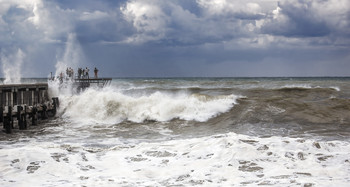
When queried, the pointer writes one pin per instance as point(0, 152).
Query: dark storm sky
point(176, 38)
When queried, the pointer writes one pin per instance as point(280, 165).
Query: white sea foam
point(112, 106)
point(306, 86)
point(335, 88)
point(219, 160)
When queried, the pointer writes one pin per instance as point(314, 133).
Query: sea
point(187, 132)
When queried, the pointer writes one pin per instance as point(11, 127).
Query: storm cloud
point(157, 38)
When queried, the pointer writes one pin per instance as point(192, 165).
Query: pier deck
point(82, 84)
point(23, 101)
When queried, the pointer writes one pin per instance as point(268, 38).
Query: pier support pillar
point(25, 117)
point(8, 122)
point(34, 116)
point(56, 104)
point(21, 118)
point(44, 112)
point(1, 114)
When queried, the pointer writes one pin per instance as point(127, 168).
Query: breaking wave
point(112, 106)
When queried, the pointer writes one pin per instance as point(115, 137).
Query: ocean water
point(188, 132)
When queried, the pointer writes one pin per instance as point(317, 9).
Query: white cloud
point(53, 21)
point(35, 19)
point(95, 15)
point(147, 18)
point(41, 20)
point(169, 21)
point(241, 9)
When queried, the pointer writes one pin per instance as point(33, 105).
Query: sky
point(175, 38)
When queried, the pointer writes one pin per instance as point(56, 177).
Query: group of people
point(83, 73)
point(70, 72)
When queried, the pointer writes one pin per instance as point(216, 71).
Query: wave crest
point(110, 106)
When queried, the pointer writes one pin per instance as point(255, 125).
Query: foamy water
point(220, 160)
point(205, 132)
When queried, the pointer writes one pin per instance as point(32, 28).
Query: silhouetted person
point(87, 72)
point(61, 77)
point(96, 71)
point(80, 71)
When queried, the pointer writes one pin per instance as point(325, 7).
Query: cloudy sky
point(176, 38)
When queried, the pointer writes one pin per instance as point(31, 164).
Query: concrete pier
point(24, 104)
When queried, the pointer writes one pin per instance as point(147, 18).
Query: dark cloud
point(304, 18)
point(297, 21)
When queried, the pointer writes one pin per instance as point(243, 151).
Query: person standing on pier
point(61, 77)
point(87, 72)
point(79, 73)
point(96, 71)
point(72, 73)
point(83, 73)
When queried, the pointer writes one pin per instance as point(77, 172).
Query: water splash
point(11, 66)
point(73, 55)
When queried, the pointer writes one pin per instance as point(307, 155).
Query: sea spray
point(11, 66)
point(73, 56)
